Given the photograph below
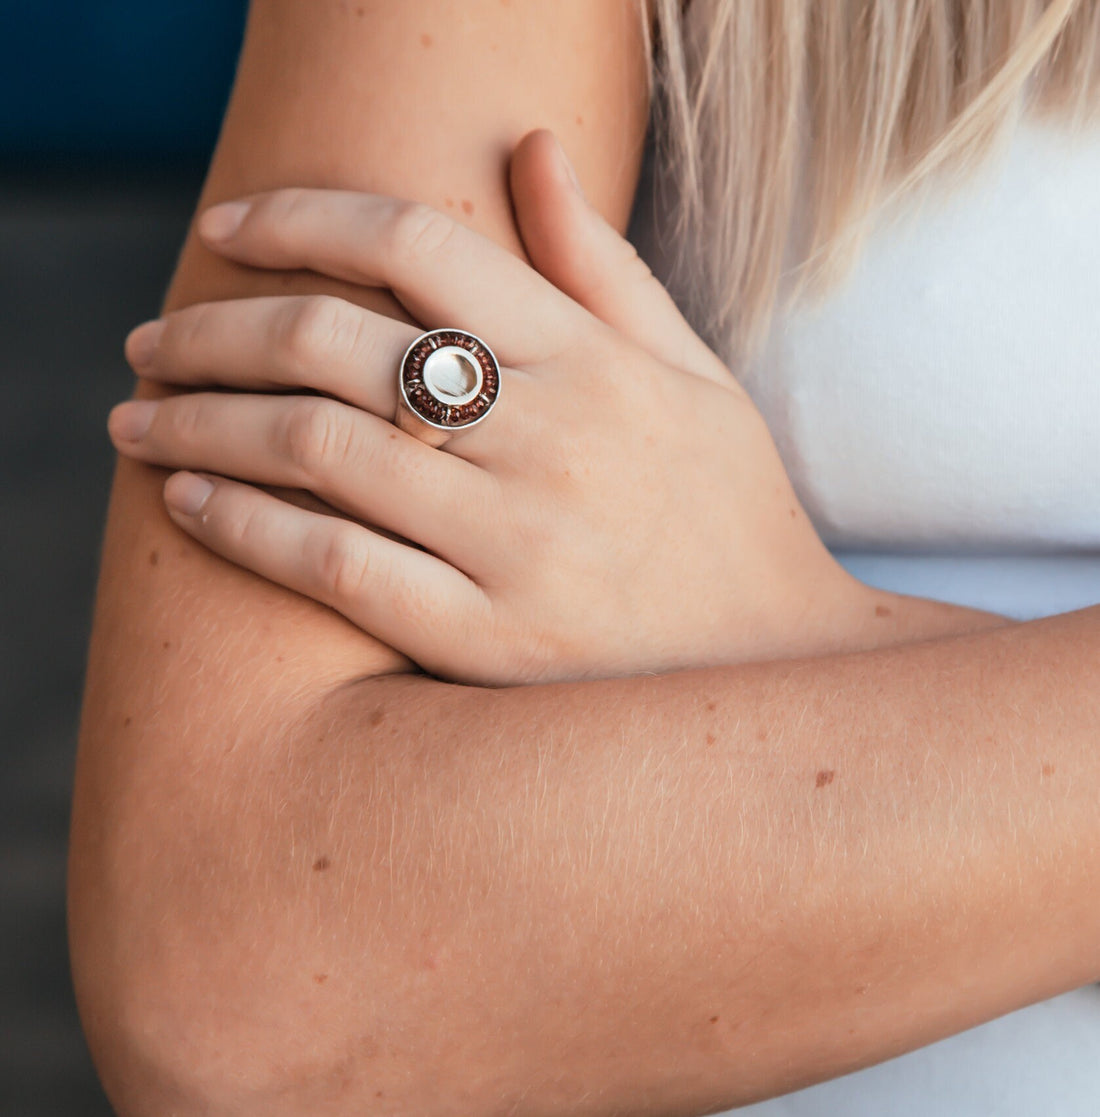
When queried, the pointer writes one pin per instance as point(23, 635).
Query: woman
point(761, 823)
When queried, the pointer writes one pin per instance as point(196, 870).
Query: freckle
point(711, 739)
point(450, 203)
point(793, 513)
point(320, 978)
point(278, 659)
point(321, 864)
point(360, 12)
point(377, 716)
point(430, 963)
point(714, 1019)
point(712, 706)
point(425, 40)
point(860, 990)
point(154, 558)
point(127, 722)
point(883, 611)
point(761, 734)
point(379, 1094)
point(1048, 769)
point(580, 120)
point(824, 778)
point(166, 645)
point(467, 207)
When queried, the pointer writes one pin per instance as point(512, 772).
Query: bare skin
point(298, 887)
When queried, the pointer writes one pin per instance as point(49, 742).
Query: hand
point(622, 509)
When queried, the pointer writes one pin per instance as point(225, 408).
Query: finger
point(571, 244)
point(264, 344)
point(410, 600)
point(349, 458)
point(445, 274)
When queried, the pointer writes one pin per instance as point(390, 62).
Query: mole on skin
point(154, 558)
point(824, 777)
point(711, 738)
point(883, 611)
point(425, 40)
point(714, 1019)
point(320, 978)
point(467, 207)
point(1048, 769)
point(321, 864)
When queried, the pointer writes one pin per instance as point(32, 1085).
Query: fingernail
point(569, 168)
point(130, 421)
point(142, 342)
point(220, 222)
point(187, 492)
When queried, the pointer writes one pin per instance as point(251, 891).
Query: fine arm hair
point(303, 881)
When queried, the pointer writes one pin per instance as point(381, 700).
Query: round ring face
point(450, 379)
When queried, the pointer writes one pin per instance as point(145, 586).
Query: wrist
point(877, 618)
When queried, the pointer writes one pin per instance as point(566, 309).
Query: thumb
point(571, 245)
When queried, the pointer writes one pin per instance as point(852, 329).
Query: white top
point(946, 398)
point(939, 416)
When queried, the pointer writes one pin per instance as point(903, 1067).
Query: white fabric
point(939, 416)
point(947, 396)
point(1040, 1061)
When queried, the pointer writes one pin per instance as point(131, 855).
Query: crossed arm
point(301, 885)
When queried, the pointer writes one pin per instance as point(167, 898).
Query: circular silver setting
point(449, 379)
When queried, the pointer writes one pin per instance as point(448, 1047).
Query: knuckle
point(343, 563)
point(418, 232)
point(277, 213)
point(240, 527)
point(315, 328)
point(182, 329)
point(317, 437)
point(182, 420)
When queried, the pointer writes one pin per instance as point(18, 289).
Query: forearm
point(653, 895)
point(886, 619)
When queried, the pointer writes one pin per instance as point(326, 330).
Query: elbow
point(144, 1028)
point(179, 947)
point(136, 1030)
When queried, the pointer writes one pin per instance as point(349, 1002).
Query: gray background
point(84, 256)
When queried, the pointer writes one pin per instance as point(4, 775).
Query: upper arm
point(420, 100)
point(423, 101)
point(192, 660)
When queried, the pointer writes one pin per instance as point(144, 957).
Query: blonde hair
point(784, 125)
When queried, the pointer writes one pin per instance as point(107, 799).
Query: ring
point(449, 381)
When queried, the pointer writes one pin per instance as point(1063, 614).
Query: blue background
point(115, 77)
